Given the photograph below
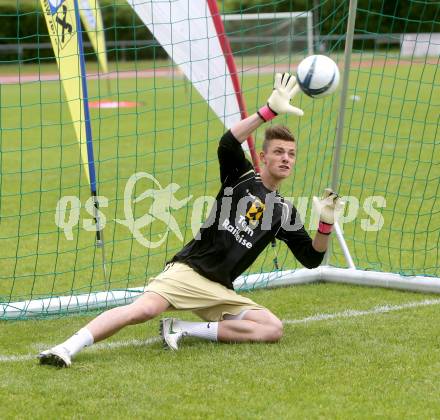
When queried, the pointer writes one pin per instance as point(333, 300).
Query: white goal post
point(288, 27)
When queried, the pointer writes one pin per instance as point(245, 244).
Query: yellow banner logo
point(60, 22)
point(63, 20)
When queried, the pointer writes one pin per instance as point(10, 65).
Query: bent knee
point(274, 331)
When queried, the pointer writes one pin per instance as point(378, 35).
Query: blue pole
point(89, 141)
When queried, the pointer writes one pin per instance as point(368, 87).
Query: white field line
point(127, 74)
point(96, 347)
point(269, 68)
point(350, 313)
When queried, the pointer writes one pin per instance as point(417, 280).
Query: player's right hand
point(284, 90)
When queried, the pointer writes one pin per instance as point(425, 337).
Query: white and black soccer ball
point(317, 76)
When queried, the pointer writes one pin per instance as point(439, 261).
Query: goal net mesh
point(146, 118)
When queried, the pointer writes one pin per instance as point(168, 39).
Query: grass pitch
point(376, 364)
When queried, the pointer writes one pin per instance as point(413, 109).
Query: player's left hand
point(330, 208)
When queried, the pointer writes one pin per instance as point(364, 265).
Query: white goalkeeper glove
point(284, 90)
point(329, 208)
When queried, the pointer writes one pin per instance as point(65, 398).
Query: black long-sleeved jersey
point(245, 218)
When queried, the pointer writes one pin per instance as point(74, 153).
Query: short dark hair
point(277, 132)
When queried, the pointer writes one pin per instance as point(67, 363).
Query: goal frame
point(282, 15)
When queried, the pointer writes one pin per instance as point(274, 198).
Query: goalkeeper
point(247, 216)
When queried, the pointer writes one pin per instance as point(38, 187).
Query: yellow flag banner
point(91, 17)
point(61, 23)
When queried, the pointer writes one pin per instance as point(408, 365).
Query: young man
point(247, 216)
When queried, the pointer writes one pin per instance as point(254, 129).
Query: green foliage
point(378, 16)
point(22, 22)
point(25, 23)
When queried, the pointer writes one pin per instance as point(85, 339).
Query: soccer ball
point(317, 76)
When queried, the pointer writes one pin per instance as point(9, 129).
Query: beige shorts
point(185, 289)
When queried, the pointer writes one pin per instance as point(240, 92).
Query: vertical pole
point(230, 62)
point(310, 33)
point(90, 158)
point(315, 27)
point(344, 90)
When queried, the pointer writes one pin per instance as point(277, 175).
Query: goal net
point(269, 36)
point(154, 136)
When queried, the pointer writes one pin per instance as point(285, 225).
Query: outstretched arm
point(244, 128)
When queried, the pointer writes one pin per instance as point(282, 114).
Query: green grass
point(378, 365)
